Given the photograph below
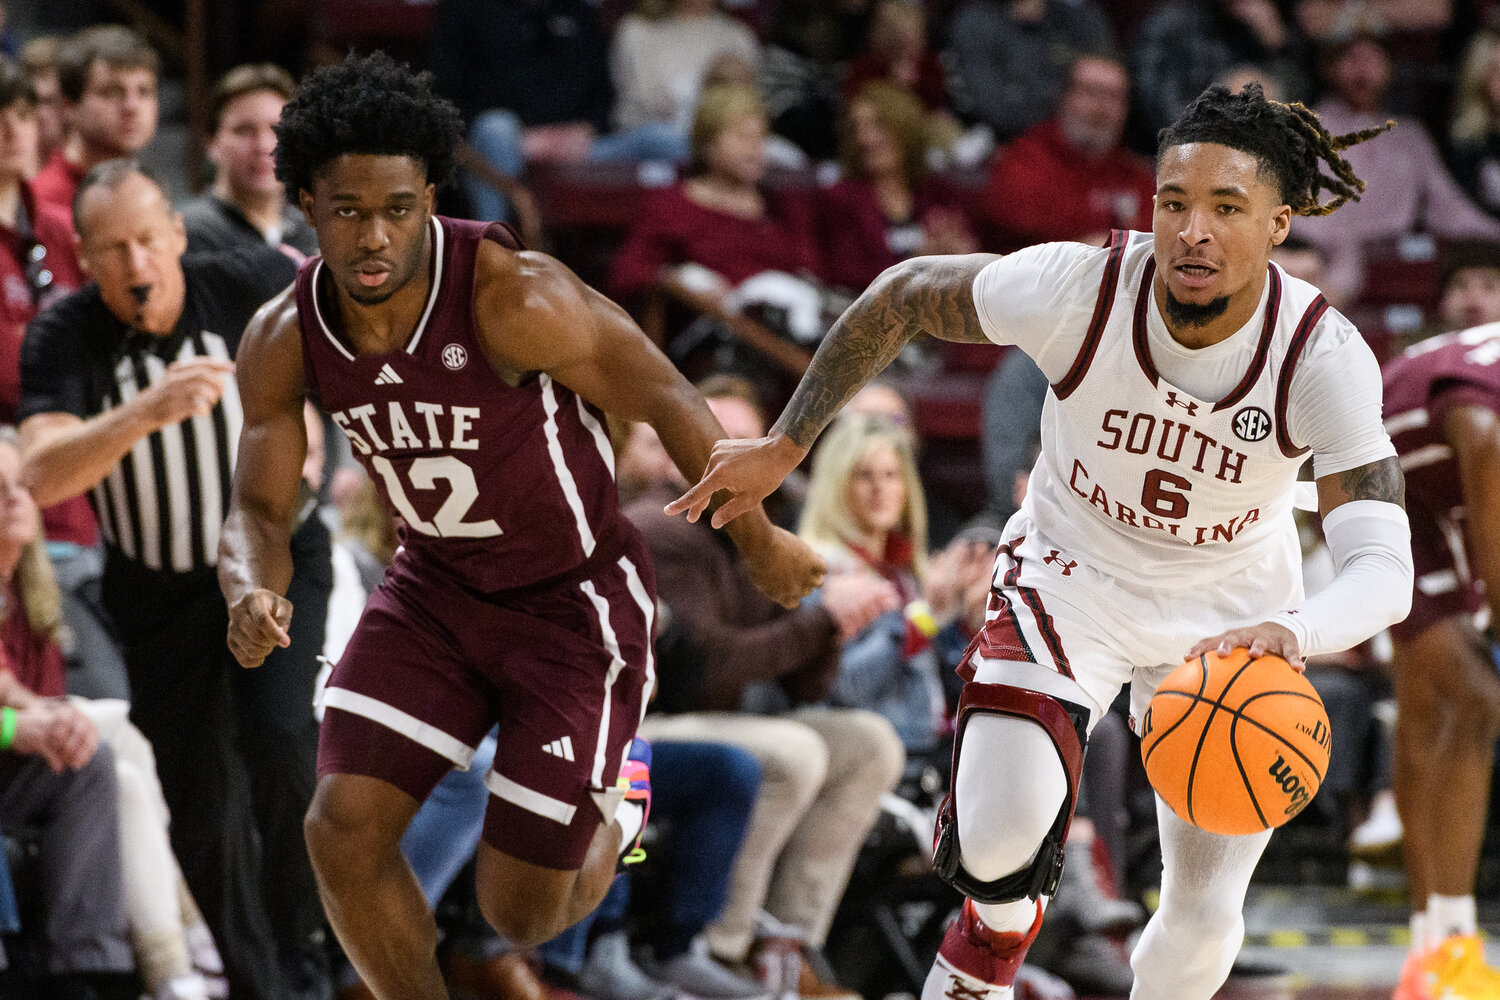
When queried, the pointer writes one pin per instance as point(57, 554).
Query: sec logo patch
point(1252, 424)
point(455, 357)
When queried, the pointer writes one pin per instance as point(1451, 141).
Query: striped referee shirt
point(163, 505)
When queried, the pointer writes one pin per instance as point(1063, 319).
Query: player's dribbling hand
point(1267, 637)
point(786, 569)
point(749, 469)
point(258, 624)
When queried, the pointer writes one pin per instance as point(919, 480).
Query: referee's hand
point(258, 624)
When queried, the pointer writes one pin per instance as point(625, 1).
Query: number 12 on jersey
point(424, 474)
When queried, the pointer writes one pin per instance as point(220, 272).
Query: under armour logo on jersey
point(387, 376)
point(455, 357)
point(1057, 558)
point(1252, 424)
point(560, 748)
point(960, 990)
point(1186, 404)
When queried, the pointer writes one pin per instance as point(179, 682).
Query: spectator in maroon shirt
point(888, 206)
point(719, 226)
point(1069, 178)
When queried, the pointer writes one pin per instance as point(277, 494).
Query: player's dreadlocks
point(1288, 140)
point(369, 104)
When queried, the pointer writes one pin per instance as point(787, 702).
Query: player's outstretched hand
point(786, 569)
point(1267, 637)
point(748, 469)
point(257, 624)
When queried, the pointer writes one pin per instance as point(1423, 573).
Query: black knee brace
point(1067, 725)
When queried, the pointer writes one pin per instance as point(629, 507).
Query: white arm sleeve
point(1041, 299)
point(1335, 401)
point(1370, 541)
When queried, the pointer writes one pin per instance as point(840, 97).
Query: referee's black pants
point(236, 751)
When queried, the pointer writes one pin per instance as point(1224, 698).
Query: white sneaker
point(1381, 830)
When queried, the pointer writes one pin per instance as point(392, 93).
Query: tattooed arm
point(1379, 480)
point(932, 295)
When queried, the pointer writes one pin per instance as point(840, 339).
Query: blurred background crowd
point(733, 172)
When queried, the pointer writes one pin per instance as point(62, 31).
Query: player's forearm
point(255, 552)
point(1370, 541)
point(59, 463)
point(865, 339)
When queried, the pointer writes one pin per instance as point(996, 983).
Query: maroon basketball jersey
point(498, 486)
point(1421, 387)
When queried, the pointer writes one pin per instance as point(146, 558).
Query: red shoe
point(977, 963)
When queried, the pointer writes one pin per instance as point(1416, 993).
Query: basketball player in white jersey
point(1190, 380)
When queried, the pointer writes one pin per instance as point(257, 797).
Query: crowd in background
point(733, 172)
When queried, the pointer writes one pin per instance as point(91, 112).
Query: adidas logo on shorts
point(388, 376)
point(560, 748)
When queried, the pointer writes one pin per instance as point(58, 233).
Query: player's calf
point(528, 903)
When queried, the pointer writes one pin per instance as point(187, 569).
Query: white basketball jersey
point(1151, 484)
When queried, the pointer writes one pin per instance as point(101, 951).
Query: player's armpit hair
point(933, 295)
point(1382, 480)
point(1288, 141)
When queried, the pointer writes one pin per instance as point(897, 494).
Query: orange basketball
point(1235, 744)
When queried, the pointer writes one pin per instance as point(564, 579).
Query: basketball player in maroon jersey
point(1442, 410)
point(469, 377)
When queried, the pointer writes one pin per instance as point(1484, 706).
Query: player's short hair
point(15, 84)
point(247, 78)
point(110, 44)
point(1288, 142)
point(368, 105)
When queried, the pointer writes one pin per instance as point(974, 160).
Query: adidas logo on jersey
point(387, 376)
point(560, 748)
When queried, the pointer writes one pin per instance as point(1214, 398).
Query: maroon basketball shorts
point(563, 668)
point(1444, 585)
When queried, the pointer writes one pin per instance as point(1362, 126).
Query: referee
point(127, 395)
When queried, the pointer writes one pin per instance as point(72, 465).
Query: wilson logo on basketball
point(455, 357)
point(1281, 772)
point(1252, 424)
